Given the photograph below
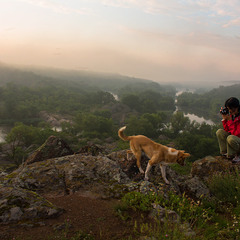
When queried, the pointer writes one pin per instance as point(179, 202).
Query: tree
point(90, 125)
point(133, 101)
point(179, 123)
point(22, 137)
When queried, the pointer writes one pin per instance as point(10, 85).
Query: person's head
point(233, 105)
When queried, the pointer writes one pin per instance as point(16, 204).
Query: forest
point(95, 113)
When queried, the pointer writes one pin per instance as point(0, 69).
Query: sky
point(161, 40)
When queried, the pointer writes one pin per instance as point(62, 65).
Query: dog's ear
point(186, 155)
point(181, 157)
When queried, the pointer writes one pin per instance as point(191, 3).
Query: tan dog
point(156, 152)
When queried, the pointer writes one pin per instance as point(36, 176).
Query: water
point(115, 96)
point(3, 134)
point(192, 117)
point(200, 120)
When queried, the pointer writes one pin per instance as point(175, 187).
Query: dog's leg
point(163, 171)
point(138, 157)
point(129, 153)
point(151, 162)
point(149, 166)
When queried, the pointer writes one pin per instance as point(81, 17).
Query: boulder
point(91, 149)
point(206, 167)
point(127, 162)
point(194, 188)
point(52, 148)
point(17, 204)
point(68, 173)
point(163, 214)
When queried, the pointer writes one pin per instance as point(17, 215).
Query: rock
point(147, 187)
point(18, 204)
point(52, 148)
point(62, 226)
point(55, 120)
point(194, 188)
point(127, 162)
point(208, 166)
point(15, 214)
point(68, 173)
point(92, 149)
point(187, 230)
point(163, 214)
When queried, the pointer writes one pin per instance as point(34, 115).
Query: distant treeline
point(209, 103)
point(20, 103)
point(23, 94)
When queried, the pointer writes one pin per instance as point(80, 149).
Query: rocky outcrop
point(72, 172)
point(55, 120)
point(194, 188)
point(53, 168)
point(20, 204)
point(52, 148)
point(92, 149)
point(206, 167)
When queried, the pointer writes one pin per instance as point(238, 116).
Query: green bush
point(190, 211)
point(138, 201)
point(226, 187)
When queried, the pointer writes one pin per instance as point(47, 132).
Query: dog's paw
point(166, 181)
point(141, 171)
point(146, 179)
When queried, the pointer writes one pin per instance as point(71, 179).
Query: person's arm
point(236, 131)
point(225, 122)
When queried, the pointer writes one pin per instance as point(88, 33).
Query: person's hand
point(225, 117)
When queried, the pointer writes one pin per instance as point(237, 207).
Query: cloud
point(150, 6)
point(234, 22)
point(229, 10)
point(189, 10)
point(56, 7)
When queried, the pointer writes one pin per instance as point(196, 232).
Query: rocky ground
point(57, 193)
point(84, 213)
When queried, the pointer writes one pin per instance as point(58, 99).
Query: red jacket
point(233, 127)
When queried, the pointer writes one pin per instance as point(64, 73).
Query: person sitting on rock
point(229, 137)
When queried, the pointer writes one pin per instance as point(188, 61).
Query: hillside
point(36, 76)
point(27, 92)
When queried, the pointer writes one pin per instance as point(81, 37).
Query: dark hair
point(232, 102)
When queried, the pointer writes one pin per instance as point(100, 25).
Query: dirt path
point(84, 212)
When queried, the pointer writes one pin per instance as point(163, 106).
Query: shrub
point(190, 211)
point(226, 187)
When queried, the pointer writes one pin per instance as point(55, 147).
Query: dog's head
point(181, 157)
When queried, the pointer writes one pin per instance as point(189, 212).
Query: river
point(4, 130)
point(3, 134)
point(191, 116)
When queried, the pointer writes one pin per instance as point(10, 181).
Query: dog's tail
point(121, 134)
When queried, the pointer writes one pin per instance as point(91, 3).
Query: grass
point(182, 170)
point(210, 219)
point(226, 187)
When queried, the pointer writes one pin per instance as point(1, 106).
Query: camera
point(224, 111)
